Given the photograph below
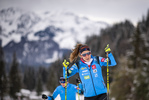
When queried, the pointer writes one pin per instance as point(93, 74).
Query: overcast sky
point(111, 11)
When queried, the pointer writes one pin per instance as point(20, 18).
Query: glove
point(78, 80)
point(65, 63)
point(107, 49)
point(44, 96)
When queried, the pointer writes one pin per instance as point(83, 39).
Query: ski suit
point(71, 92)
point(91, 75)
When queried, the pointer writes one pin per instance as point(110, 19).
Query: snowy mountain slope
point(40, 38)
point(75, 29)
point(18, 23)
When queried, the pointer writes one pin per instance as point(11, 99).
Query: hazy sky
point(111, 11)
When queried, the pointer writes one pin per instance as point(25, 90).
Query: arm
point(50, 98)
point(45, 97)
point(55, 93)
point(103, 61)
point(79, 86)
point(110, 58)
point(70, 71)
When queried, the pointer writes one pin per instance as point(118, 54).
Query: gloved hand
point(44, 96)
point(78, 80)
point(107, 49)
point(65, 63)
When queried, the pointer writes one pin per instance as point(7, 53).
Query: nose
point(87, 55)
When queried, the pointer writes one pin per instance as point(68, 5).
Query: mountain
point(42, 38)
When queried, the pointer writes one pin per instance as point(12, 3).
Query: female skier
point(90, 71)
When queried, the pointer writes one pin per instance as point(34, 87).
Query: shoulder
point(73, 86)
point(75, 65)
point(59, 87)
point(95, 57)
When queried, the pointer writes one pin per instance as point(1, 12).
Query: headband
point(84, 48)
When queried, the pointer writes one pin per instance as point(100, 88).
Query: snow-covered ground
point(77, 98)
point(28, 95)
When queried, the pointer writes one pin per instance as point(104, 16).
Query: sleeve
point(50, 98)
point(80, 88)
point(55, 93)
point(70, 71)
point(75, 88)
point(103, 61)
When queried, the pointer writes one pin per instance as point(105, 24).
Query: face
point(86, 55)
point(63, 84)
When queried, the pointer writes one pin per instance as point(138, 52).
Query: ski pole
point(65, 83)
point(65, 63)
point(107, 78)
point(78, 91)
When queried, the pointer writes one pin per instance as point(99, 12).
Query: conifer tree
point(14, 78)
point(131, 77)
point(29, 78)
point(55, 71)
point(139, 62)
point(141, 84)
point(3, 77)
point(39, 86)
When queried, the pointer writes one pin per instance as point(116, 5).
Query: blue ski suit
point(91, 76)
point(71, 92)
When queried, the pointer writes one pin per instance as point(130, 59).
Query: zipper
point(92, 77)
point(103, 84)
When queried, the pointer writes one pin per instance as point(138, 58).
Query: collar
point(67, 85)
point(88, 63)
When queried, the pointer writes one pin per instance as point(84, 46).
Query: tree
point(55, 71)
point(42, 71)
point(14, 78)
point(141, 85)
point(39, 86)
point(41, 80)
point(131, 79)
point(3, 77)
point(122, 81)
point(29, 79)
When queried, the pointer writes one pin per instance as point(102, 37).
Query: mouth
point(87, 59)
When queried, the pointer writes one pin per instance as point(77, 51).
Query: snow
point(26, 49)
point(66, 40)
point(75, 28)
point(25, 92)
point(32, 95)
point(32, 37)
point(13, 37)
point(48, 45)
point(54, 58)
point(77, 98)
